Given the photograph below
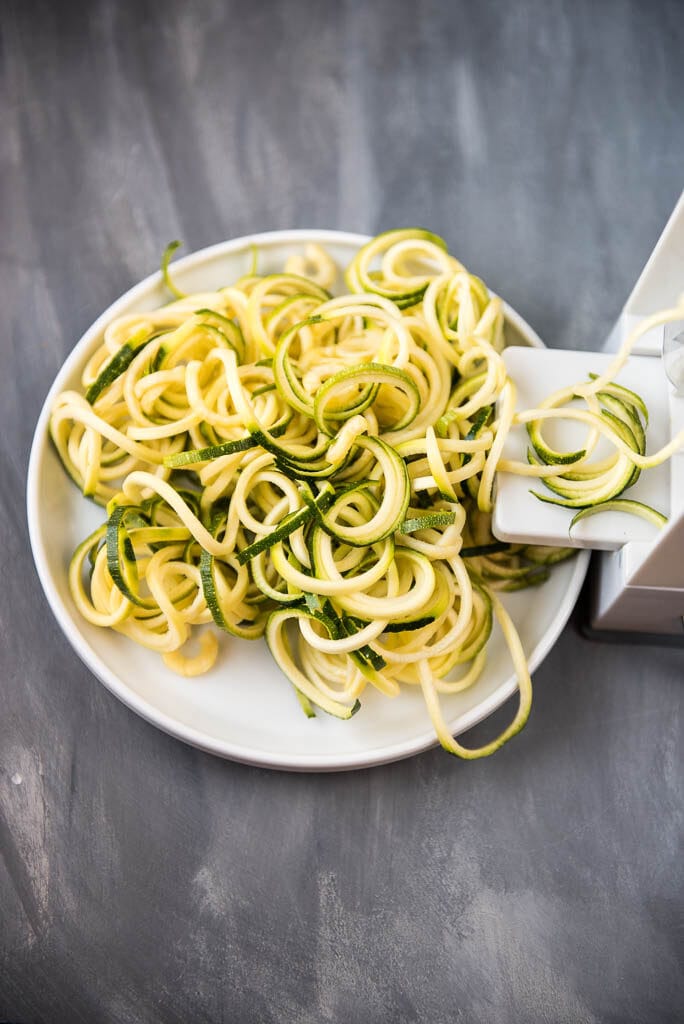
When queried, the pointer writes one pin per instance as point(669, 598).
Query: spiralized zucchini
point(612, 412)
point(315, 470)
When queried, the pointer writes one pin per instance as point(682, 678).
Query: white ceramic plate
point(244, 708)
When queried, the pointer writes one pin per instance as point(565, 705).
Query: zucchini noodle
point(612, 412)
point(319, 471)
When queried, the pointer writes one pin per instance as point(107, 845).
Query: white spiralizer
point(637, 581)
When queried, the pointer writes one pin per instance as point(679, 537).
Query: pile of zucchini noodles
point(319, 471)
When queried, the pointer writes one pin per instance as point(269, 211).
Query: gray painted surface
point(144, 882)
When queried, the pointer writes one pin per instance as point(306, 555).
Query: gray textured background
point(144, 882)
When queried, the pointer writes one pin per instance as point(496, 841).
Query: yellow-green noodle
point(319, 471)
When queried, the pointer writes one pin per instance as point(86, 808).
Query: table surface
point(143, 881)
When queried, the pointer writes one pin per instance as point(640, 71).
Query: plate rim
point(369, 756)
